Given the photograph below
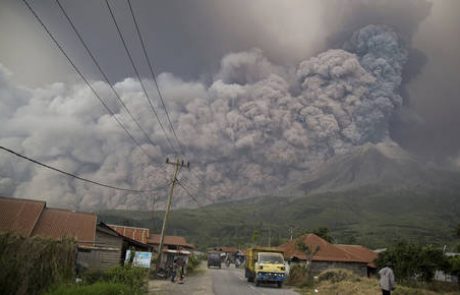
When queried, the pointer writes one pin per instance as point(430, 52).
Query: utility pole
point(269, 236)
point(291, 230)
point(178, 164)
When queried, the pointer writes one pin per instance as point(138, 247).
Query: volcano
point(383, 166)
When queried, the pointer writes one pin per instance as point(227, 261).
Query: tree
point(454, 266)
point(324, 233)
point(457, 231)
point(255, 237)
point(309, 253)
point(411, 261)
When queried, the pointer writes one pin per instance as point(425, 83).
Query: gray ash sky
point(244, 58)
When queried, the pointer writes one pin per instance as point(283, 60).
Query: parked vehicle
point(214, 259)
point(265, 265)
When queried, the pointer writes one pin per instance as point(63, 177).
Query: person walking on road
point(174, 270)
point(387, 279)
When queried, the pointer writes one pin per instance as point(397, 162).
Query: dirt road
point(225, 281)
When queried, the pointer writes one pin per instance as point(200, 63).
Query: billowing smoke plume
point(257, 128)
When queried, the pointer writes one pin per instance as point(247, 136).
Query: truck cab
point(214, 259)
point(265, 265)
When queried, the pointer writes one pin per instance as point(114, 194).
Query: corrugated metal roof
point(19, 215)
point(59, 223)
point(171, 241)
point(136, 233)
point(326, 252)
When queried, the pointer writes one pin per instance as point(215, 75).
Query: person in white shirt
point(387, 279)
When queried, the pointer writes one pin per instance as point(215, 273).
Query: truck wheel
point(250, 278)
point(280, 284)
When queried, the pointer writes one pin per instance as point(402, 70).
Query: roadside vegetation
point(31, 265)
point(116, 281)
point(345, 282)
point(414, 266)
point(194, 262)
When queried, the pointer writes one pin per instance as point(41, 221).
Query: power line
point(82, 76)
point(149, 63)
point(197, 202)
point(73, 175)
point(181, 184)
point(184, 180)
point(117, 95)
point(138, 75)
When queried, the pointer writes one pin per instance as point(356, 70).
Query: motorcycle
point(237, 263)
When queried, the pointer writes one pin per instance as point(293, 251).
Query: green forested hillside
point(369, 216)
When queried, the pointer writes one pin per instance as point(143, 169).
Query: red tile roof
point(59, 223)
point(326, 252)
point(19, 215)
point(136, 233)
point(360, 251)
point(171, 241)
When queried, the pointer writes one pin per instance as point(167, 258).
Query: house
point(139, 234)
point(362, 252)
point(19, 215)
point(226, 250)
point(32, 218)
point(59, 223)
point(98, 245)
point(173, 247)
point(109, 249)
point(171, 242)
point(353, 257)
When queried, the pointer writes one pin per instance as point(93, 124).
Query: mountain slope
point(382, 166)
point(373, 196)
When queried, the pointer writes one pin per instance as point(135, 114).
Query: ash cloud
point(386, 70)
point(246, 134)
point(425, 125)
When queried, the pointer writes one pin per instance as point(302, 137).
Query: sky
point(259, 93)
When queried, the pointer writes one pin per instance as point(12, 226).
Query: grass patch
point(133, 278)
point(116, 281)
point(98, 288)
point(345, 282)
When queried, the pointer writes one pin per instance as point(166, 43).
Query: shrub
point(98, 288)
point(32, 265)
point(90, 277)
point(193, 262)
point(134, 277)
point(337, 275)
point(298, 276)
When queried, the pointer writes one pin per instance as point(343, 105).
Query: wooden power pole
point(177, 165)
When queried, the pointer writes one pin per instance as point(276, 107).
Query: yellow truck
point(265, 265)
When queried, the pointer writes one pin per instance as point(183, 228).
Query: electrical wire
point(185, 180)
point(75, 176)
point(70, 61)
point(138, 75)
point(104, 75)
point(149, 63)
point(184, 188)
